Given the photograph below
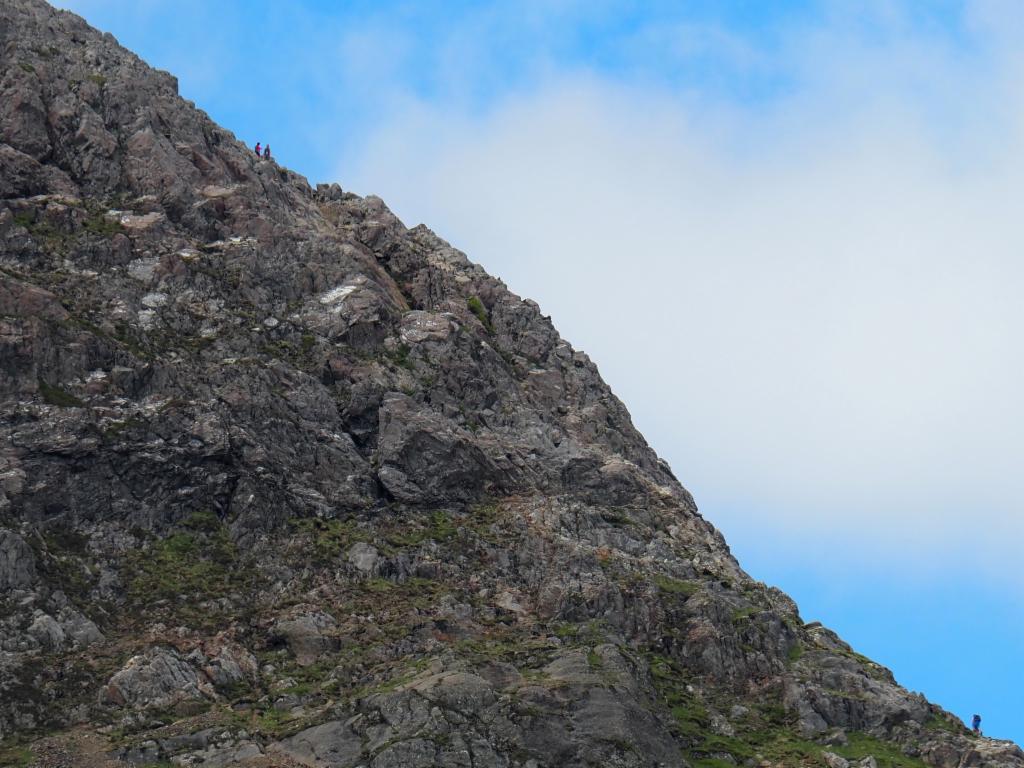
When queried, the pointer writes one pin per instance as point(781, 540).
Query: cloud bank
point(810, 297)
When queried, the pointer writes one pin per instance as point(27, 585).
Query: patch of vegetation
point(691, 718)
point(200, 563)
point(115, 429)
point(439, 527)
point(99, 224)
point(676, 587)
point(938, 723)
point(400, 357)
point(99, 79)
point(54, 395)
point(796, 652)
point(65, 539)
point(482, 519)
point(594, 659)
point(711, 762)
point(45, 53)
point(25, 219)
point(329, 537)
point(616, 519)
point(742, 614)
point(780, 745)
point(767, 732)
point(887, 754)
point(125, 335)
point(60, 551)
point(477, 308)
point(15, 756)
point(566, 631)
point(27, 67)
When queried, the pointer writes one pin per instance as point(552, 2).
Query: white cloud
point(812, 307)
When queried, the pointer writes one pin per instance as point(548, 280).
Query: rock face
point(285, 482)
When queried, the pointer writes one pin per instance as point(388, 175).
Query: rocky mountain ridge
point(284, 482)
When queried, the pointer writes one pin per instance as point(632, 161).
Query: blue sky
point(786, 231)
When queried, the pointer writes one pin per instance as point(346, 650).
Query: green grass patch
point(99, 224)
point(400, 356)
point(329, 537)
point(441, 526)
point(939, 723)
point(477, 308)
point(796, 652)
point(594, 659)
point(710, 762)
point(54, 395)
point(115, 429)
point(15, 756)
point(672, 586)
point(886, 753)
point(616, 519)
point(742, 614)
point(197, 563)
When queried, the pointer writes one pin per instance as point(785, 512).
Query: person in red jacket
point(258, 153)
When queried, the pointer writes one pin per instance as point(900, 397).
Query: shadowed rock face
point(284, 482)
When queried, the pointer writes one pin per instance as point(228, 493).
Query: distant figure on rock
point(976, 725)
point(266, 152)
point(258, 153)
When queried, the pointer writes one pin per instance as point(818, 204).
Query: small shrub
point(676, 587)
point(53, 395)
point(15, 756)
point(742, 614)
point(795, 653)
point(441, 526)
point(401, 357)
point(477, 308)
point(99, 224)
point(330, 537)
point(25, 219)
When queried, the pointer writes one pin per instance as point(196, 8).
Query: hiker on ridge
point(258, 153)
point(976, 725)
point(266, 152)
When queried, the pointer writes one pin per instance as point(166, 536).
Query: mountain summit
point(285, 483)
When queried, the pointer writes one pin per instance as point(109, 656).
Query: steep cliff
point(283, 482)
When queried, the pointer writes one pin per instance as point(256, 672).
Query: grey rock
point(47, 632)
point(156, 679)
point(308, 636)
point(331, 745)
point(363, 556)
point(832, 760)
point(17, 563)
point(79, 630)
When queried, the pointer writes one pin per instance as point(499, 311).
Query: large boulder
point(17, 562)
point(156, 679)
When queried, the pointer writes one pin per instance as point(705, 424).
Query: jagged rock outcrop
point(283, 482)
